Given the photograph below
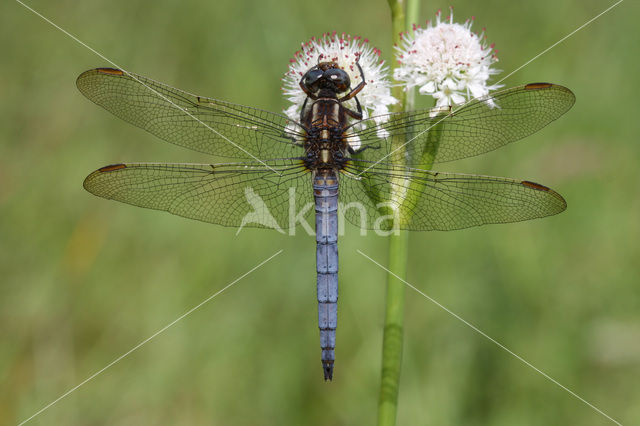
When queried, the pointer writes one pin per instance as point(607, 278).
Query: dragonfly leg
point(304, 105)
point(355, 114)
point(357, 89)
point(361, 150)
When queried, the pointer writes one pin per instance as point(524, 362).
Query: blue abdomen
point(325, 189)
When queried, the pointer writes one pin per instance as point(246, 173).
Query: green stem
point(398, 26)
point(393, 330)
point(413, 10)
point(398, 255)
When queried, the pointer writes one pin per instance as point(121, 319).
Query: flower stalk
point(452, 64)
point(392, 341)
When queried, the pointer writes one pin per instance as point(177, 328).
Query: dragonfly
point(331, 156)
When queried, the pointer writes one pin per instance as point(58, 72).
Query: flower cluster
point(447, 61)
point(444, 60)
point(345, 50)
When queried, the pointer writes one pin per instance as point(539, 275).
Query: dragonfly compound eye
point(339, 78)
point(312, 78)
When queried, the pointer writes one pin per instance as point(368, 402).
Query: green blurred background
point(83, 280)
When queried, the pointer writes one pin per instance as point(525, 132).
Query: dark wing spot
point(534, 185)
point(112, 71)
point(112, 167)
point(536, 86)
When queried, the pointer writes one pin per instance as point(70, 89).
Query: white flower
point(345, 50)
point(446, 61)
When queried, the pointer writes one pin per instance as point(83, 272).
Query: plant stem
point(398, 26)
point(393, 330)
point(398, 254)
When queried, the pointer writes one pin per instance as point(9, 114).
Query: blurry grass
point(83, 279)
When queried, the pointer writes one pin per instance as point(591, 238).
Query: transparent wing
point(428, 200)
point(240, 194)
point(207, 125)
point(474, 128)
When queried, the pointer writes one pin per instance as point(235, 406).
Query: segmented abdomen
point(325, 189)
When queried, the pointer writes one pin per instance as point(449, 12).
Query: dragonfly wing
point(203, 124)
point(423, 200)
point(474, 128)
point(240, 194)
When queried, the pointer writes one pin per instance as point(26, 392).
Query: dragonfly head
point(328, 76)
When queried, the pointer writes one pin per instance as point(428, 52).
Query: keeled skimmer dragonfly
point(331, 155)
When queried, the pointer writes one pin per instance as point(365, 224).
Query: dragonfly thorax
point(325, 154)
point(325, 146)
